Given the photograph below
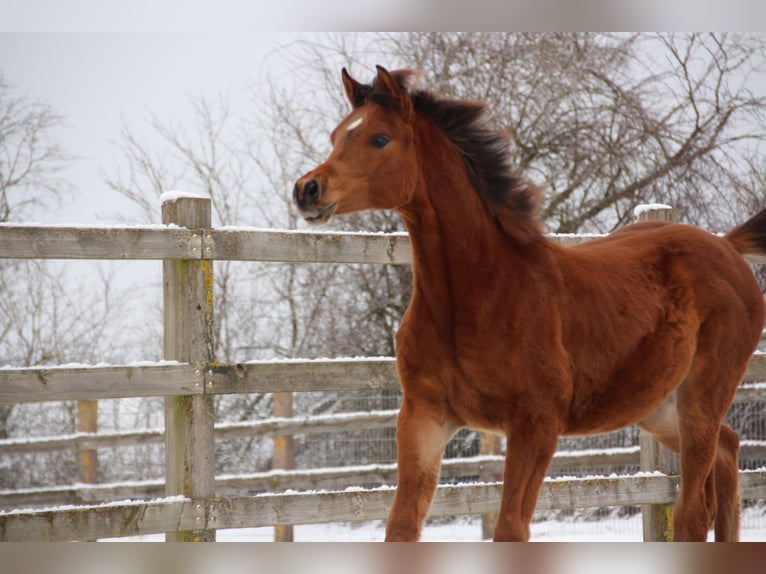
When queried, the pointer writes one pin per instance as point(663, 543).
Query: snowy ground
point(468, 529)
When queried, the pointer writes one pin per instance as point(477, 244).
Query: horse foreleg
point(421, 436)
point(526, 463)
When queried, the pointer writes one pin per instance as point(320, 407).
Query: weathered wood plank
point(135, 242)
point(307, 247)
point(303, 376)
point(104, 521)
point(327, 478)
point(756, 368)
point(752, 484)
point(78, 494)
point(108, 382)
point(171, 242)
point(18, 241)
point(656, 518)
point(80, 441)
point(223, 432)
point(75, 383)
point(129, 519)
point(315, 479)
point(308, 425)
point(112, 382)
point(750, 393)
point(570, 239)
point(385, 474)
point(188, 337)
point(562, 460)
point(316, 508)
point(239, 512)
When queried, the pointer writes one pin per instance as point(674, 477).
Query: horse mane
point(486, 150)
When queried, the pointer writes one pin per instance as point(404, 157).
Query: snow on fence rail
point(190, 505)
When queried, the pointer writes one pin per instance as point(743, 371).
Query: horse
point(508, 332)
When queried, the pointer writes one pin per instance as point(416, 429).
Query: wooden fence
point(191, 503)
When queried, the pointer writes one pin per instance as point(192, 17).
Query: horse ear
point(354, 91)
point(385, 83)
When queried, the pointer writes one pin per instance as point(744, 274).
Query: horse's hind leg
point(726, 481)
point(709, 471)
point(708, 453)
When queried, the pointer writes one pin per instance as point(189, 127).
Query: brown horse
point(511, 333)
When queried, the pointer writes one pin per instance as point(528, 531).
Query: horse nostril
point(311, 189)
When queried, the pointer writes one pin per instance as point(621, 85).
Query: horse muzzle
point(306, 195)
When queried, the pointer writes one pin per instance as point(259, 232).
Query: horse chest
point(478, 382)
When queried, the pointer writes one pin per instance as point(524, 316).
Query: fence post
point(489, 444)
point(188, 338)
point(284, 455)
point(657, 518)
point(87, 421)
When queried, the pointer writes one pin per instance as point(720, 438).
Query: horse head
point(372, 164)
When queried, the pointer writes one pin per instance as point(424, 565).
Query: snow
point(134, 364)
point(310, 233)
point(755, 386)
point(166, 363)
point(171, 196)
point(277, 472)
point(174, 195)
point(578, 236)
point(468, 529)
point(79, 507)
point(641, 209)
point(318, 361)
point(93, 226)
point(597, 451)
point(336, 418)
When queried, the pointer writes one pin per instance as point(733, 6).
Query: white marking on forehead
point(355, 124)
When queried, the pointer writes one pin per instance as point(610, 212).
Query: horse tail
point(750, 237)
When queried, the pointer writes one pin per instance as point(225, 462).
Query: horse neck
point(458, 248)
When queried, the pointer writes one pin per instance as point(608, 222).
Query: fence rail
point(188, 504)
point(331, 479)
point(161, 380)
point(141, 518)
point(172, 242)
point(161, 242)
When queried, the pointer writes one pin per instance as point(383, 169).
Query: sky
point(100, 63)
point(98, 81)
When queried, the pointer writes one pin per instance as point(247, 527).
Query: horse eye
point(380, 141)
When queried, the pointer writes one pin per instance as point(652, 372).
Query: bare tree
point(608, 121)
point(30, 162)
point(49, 313)
point(30, 157)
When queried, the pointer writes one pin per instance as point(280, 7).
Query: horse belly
point(631, 392)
